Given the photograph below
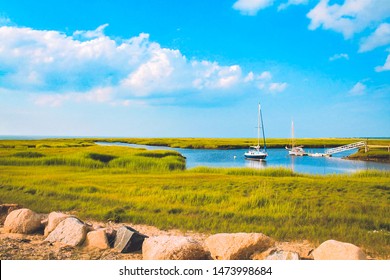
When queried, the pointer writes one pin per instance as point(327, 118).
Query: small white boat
point(295, 151)
point(256, 152)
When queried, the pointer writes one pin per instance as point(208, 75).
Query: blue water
point(276, 158)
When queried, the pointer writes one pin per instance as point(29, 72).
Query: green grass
point(374, 154)
point(122, 159)
point(152, 187)
point(271, 172)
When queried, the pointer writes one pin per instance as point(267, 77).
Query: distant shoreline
point(212, 143)
point(41, 137)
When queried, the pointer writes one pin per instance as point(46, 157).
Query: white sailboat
point(255, 152)
point(295, 151)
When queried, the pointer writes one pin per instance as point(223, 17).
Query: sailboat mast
point(262, 126)
point(258, 126)
point(292, 134)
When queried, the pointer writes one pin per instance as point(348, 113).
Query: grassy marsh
point(152, 187)
point(374, 154)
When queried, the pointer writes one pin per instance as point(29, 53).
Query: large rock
point(22, 221)
point(283, 256)
point(336, 250)
point(128, 240)
point(237, 246)
point(166, 247)
point(53, 220)
point(97, 239)
point(70, 231)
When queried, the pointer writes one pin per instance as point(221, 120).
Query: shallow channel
point(276, 158)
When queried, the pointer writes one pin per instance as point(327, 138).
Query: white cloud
point(353, 16)
point(339, 56)
point(251, 7)
point(91, 34)
point(385, 67)
point(277, 87)
point(381, 37)
point(250, 77)
point(358, 89)
point(289, 3)
point(266, 75)
point(90, 66)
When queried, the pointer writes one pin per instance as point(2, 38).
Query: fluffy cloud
point(90, 66)
point(277, 87)
point(353, 16)
point(266, 75)
point(289, 3)
point(381, 37)
point(251, 7)
point(358, 89)
point(339, 56)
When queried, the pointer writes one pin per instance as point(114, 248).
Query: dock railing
point(345, 148)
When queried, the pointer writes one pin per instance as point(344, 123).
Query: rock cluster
point(71, 231)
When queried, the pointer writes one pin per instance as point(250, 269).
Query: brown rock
point(22, 221)
point(70, 231)
point(97, 239)
point(167, 247)
point(53, 220)
point(335, 250)
point(237, 246)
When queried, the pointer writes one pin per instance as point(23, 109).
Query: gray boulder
point(336, 250)
point(237, 246)
point(22, 221)
point(70, 231)
point(173, 248)
point(128, 240)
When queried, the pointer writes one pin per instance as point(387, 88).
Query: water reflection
point(258, 164)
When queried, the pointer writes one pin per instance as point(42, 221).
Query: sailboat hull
point(298, 154)
point(255, 155)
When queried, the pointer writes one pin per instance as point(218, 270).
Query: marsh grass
point(374, 154)
point(151, 187)
point(28, 155)
point(95, 157)
point(272, 172)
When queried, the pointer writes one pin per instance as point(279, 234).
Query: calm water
point(276, 158)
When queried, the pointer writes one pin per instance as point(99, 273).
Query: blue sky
point(195, 68)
